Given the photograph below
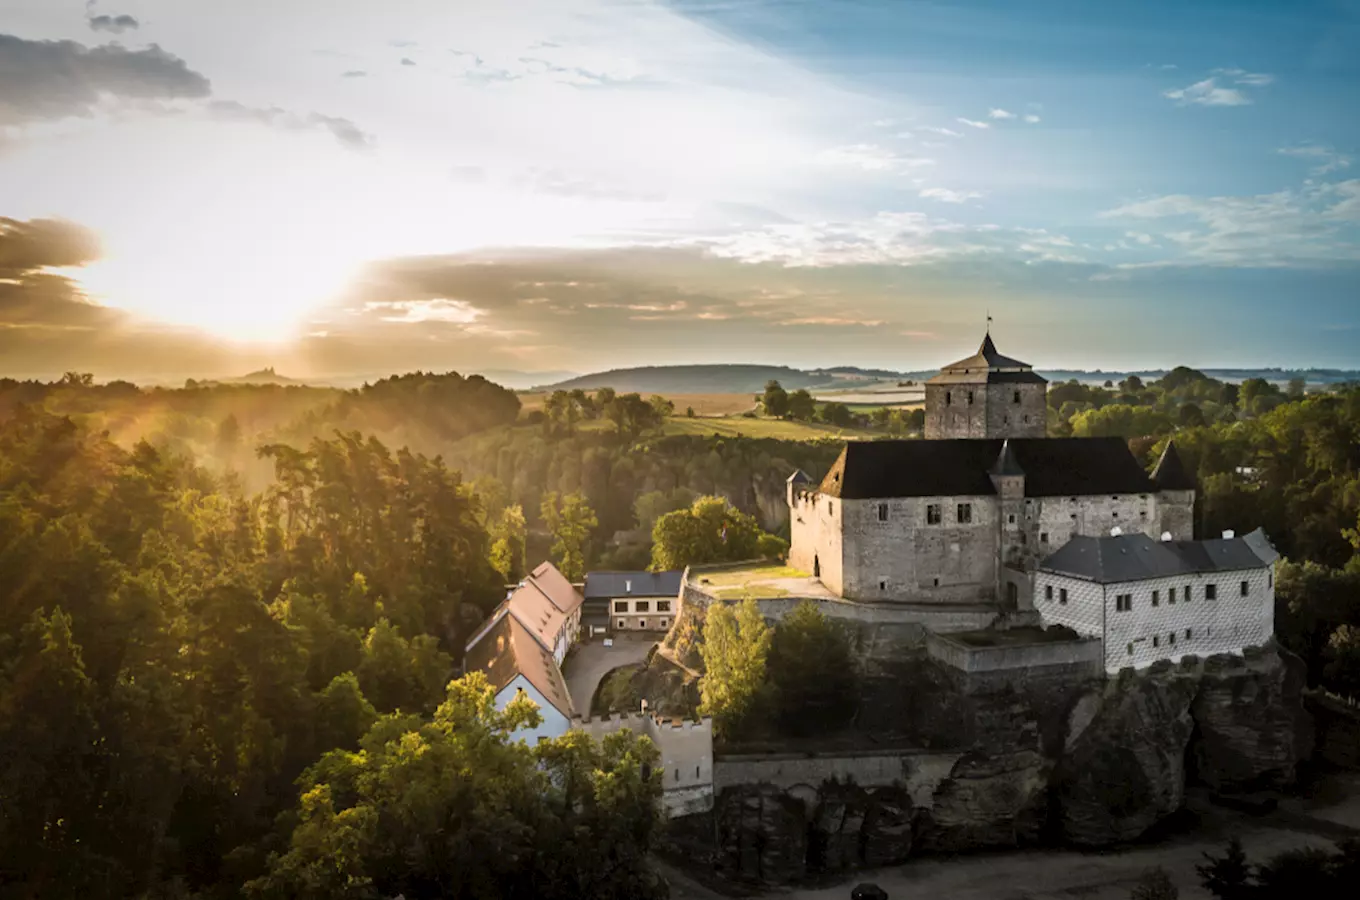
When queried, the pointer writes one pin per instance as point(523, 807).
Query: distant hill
point(263, 376)
point(704, 379)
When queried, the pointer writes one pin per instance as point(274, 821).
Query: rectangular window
point(642, 623)
point(1123, 602)
point(1062, 597)
point(1010, 519)
point(1048, 592)
point(934, 513)
point(1211, 592)
point(677, 774)
point(642, 606)
point(1026, 420)
point(620, 606)
point(882, 585)
point(621, 624)
point(1246, 588)
point(1154, 641)
point(882, 512)
point(948, 398)
point(965, 513)
point(1016, 397)
point(1043, 537)
point(1130, 649)
point(1270, 579)
point(665, 623)
point(970, 398)
point(1171, 639)
point(663, 606)
point(937, 582)
point(1171, 595)
point(1188, 632)
point(1156, 598)
point(696, 771)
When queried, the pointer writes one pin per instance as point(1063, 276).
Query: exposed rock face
point(1087, 763)
point(1126, 771)
point(1253, 729)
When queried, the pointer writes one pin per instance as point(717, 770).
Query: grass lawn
point(754, 591)
point(757, 572)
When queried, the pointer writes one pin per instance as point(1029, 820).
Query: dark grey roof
point(1053, 467)
point(987, 376)
point(1005, 462)
point(633, 584)
point(1137, 557)
point(1171, 474)
point(987, 357)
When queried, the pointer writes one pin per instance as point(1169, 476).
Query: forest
point(232, 614)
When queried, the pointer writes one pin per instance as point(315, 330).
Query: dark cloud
point(32, 297)
point(114, 24)
point(345, 131)
point(55, 79)
point(407, 61)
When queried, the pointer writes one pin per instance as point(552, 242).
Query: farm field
point(780, 429)
point(704, 404)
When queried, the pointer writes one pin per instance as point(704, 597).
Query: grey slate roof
point(1137, 557)
point(987, 366)
point(1005, 462)
point(632, 584)
point(1053, 467)
point(1171, 474)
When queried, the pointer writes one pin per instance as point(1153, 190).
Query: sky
point(332, 187)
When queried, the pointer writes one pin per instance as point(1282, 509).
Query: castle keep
point(986, 395)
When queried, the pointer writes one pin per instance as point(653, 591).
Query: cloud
point(354, 73)
point(1207, 93)
point(1287, 228)
point(947, 132)
point(871, 158)
point(407, 61)
point(31, 296)
point(1001, 114)
point(57, 79)
point(1032, 119)
point(1241, 76)
point(344, 131)
point(1210, 93)
point(944, 195)
point(1327, 159)
point(973, 123)
point(114, 24)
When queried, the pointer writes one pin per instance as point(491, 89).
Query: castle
point(968, 518)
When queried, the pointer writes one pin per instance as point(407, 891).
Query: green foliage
point(734, 652)
point(801, 406)
point(1227, 877)
point(1306, 872)
point(456, 808)
point(813, 673)
point(570, 522)
point(508, 555)
point(775, 400)
point(1342, 673)
point(710, 531)
point(836, 414)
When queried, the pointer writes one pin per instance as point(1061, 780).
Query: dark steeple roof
point(1171, 474)
point(1053, 467)
point(798, 477)
point(987, 366)
point(1005, 462)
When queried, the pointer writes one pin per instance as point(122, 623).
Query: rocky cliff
point(1091, 764)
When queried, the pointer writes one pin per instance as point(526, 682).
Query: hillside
point(703, 379)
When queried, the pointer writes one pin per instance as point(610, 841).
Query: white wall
point(816, 540)
point(554, 724)
point(1228, 624)
point(686, 750)
point(642, 613)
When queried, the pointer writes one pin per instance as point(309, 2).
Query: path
point(590, 661)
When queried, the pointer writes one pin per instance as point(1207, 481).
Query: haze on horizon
point(194, 188)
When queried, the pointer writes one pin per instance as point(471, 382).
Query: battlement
point(646, 723)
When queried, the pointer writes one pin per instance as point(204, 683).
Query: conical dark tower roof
point(1006, 463)
point(1171, 473)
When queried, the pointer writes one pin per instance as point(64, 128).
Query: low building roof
point(555, 586)
point(633, 584)
point(509, 650)
point(1053, 467)
point(1136, 557)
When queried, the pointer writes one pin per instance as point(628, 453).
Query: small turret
point(1006, 473)
point(796, 482)
point(1171, 474)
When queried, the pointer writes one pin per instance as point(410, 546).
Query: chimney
point(1166, 535)
point(628, 585)
point(1228, 535)
point(1116, 531)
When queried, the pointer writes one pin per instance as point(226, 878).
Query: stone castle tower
point(986, 395)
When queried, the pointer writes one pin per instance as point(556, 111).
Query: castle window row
point(1170, 639)
point(963, 513)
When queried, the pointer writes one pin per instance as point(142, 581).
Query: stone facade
point(986, 395)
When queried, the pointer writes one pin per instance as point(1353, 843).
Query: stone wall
point(1338, 729)
point(1078, 655)
point(686, 749)
point(816, 543)
point(982, 410)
